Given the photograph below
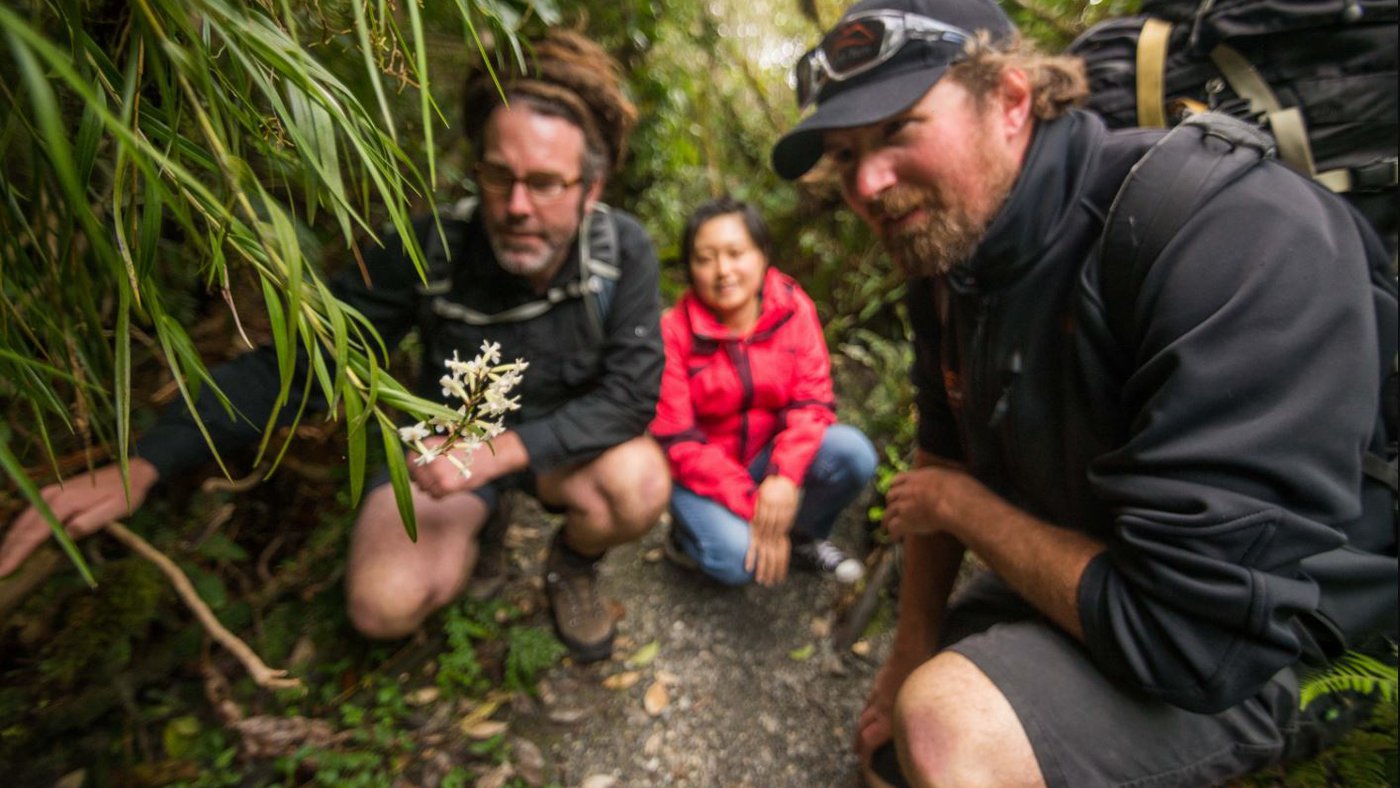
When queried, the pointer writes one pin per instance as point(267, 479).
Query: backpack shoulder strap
point(1177, 175)
point(598, 265)
point(598, 273)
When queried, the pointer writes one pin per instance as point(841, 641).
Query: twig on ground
point(257, 669)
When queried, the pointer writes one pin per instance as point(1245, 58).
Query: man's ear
point(594, 193)
point(1016, 101)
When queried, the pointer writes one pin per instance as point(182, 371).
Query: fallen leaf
point(860, 648)
point(667, 677)
point(485, 730)
point(480, 714)
point(622, 681)
point(801, 654)
point(422, 696)
point(645, 655)
point(497, 777)
point(655, 701)
point(598, 781)
point(529, 761)
point(568, 716)
point(820, 628)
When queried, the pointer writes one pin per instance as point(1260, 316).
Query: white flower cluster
point(483, 385)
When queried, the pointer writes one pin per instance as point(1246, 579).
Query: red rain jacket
point(725, 397)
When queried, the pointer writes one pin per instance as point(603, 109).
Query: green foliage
point(459, 670)
point(149, 147)
point(529, 652)
point(1353, 672)
point(99, 628)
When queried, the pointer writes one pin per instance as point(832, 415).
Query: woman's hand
point(775, 506)
point(768, 558)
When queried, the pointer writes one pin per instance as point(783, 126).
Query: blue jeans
point(718, 539)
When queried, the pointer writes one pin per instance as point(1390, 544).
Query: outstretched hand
point(85, 504)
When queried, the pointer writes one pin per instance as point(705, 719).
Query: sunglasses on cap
point(862, 42)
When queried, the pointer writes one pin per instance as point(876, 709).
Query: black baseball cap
point(892, 86)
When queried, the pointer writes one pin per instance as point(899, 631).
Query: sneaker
point(581, 619)
point(822, 555)
point(675, 553)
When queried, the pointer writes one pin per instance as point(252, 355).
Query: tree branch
point(261, 673)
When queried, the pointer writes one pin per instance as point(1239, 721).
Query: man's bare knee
point(387, 616)
point(954, 727)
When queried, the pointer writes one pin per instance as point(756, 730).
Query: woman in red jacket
point(746, 416)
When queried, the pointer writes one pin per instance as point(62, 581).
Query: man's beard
point(951, 228)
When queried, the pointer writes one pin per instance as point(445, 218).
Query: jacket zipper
point(740, 359)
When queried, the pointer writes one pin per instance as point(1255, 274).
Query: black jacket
point(578, 398)
point(1212, 451)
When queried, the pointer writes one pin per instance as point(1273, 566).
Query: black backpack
point(1163, 190)
point(1319, 75)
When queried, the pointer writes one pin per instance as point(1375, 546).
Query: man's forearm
point(931, 564)
point(1043, 562)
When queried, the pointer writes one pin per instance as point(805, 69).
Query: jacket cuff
point(542, 445)
point(173, 449)
point(1093, 615)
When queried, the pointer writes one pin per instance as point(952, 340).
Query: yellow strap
point(1287, 124)
point(1337, 180)
point(1151, 67)
point(1291, 134)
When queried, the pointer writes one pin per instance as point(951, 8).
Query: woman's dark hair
point(723, 206)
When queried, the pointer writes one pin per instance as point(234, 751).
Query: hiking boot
point(581, 618)
point(823, 556)
point(675, 553)
point(492, 559)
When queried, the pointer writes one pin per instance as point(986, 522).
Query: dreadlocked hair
point(1058, 83)
point(565, 75)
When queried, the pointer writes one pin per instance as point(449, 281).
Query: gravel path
point(708, 685)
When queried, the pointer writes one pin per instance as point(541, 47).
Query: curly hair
point(1058, 83)
point(567, 76)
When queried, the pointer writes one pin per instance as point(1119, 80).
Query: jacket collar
point(779, 303)
point(1047, 191)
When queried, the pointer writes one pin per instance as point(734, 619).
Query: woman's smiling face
point(727, 269)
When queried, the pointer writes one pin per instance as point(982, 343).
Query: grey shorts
point(490, 494)
point(1088, 731)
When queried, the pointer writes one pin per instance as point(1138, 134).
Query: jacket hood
point(1050, 186)
point(777, 306)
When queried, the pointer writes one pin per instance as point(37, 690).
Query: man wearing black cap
point(1161, 486)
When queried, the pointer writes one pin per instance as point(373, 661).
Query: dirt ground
point(708, 685)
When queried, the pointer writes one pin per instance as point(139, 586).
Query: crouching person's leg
point(393, 583)
point(954, 727)
point(611, 500)
point(1022, 703)
point(714, 537)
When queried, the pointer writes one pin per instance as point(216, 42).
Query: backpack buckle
point(1375, 176)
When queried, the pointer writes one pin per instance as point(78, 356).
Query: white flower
point(482, 386)
point(414, 433)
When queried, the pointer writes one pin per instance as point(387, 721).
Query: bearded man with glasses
point(509, 273)
point(1176, 489)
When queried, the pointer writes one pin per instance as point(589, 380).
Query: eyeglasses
point(863, 42)
point(541, 186)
